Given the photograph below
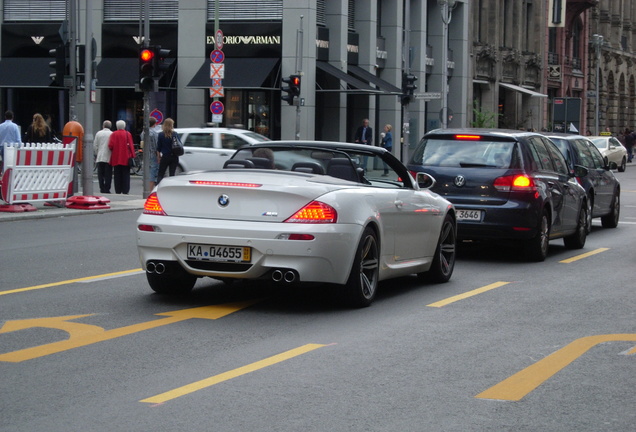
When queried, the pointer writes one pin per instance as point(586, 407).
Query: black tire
point(362, 284)
point(444, 261)
point(623, 165)
point(610, 220)
point(178, 282)
point(590, 208)
point(577, 239)
point(536, 249)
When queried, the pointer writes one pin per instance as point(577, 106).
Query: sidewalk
point(118, 202)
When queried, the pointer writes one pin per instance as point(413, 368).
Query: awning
point(364, 74)
point(16, 72)
point(241, 73)
point(532, 93)
point(123, 72)
point(358, 86)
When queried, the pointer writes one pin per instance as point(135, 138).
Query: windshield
point(465, 153)
point(600, 143)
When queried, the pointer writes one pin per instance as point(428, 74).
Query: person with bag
point(122, 150)
point(169, 148)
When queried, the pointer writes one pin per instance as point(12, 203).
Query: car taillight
point(520, 183)
point(315, 212)
point(468, 137)
point(224, 183)
point(152, 205)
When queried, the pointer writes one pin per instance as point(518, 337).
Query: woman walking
point(167, 160)
point(38, 131)
point(122, 149)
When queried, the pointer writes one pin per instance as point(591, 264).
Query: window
point(247, 10)
point(34, 10)
point(131, 10)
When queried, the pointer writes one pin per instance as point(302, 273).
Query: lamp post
point(446, 9)
point(597, 41)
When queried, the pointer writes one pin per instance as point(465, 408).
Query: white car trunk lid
point(266, 196)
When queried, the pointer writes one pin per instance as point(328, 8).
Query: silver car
point(612, 150)
point(208, 148)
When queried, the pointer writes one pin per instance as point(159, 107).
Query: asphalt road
point(505, 346)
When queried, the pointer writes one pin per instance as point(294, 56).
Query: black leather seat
point(261, 162)
point(308, 167)
point(238, 163)
point(342, 168)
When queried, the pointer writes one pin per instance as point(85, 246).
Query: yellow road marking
point(225, 376)
point(70, 281)
point(84, 334)
point(585, 255)
point(467, 294)
point(520, 384)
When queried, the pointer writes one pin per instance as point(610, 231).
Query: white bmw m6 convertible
point(298, 212)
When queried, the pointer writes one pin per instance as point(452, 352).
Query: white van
point(208, 148)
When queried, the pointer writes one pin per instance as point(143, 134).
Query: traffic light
point(146, 69)
point(59, 64)
point(292, 90)
point(408, 87)
point(160, 66)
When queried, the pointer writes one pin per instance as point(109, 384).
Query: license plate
point(471, 215)
point(205, 252)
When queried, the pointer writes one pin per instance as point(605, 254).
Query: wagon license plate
point(470, 215)
point(205, 252)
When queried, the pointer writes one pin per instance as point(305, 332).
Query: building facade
point(351, 55)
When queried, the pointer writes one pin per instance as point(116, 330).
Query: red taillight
point(514, 183)
point(224, 183)
point(148, 228)
point(152, 205)
point(315, 212)
point(468, 137)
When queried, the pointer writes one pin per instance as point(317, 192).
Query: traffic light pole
point(87, 161)
point(406, 114)
point(146, 102)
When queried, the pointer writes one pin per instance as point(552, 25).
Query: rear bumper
point(326, 259)
point(514, 220)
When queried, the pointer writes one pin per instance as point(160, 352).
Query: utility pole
point(299, 67)
point(597, 40)
point(87, 155)
point(146, 102)
point(406, 59)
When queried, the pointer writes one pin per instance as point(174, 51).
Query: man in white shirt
point(100, 147)
point(9, 133)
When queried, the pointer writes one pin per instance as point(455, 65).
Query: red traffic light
point(295, 80)
point(146, 55)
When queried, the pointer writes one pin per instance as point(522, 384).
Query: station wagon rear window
point(466, 153)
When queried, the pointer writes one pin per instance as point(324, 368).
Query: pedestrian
point(630, 139)
point(121, 145)
point(387, 143)
point(102, 158)
point(9, 131)
point(364, 134)
point(38, 131)
point(150, 146)
point(164, 149)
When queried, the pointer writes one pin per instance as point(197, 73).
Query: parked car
point(506, 185)
point(209, 148)
point(314, 212)
point(601, 185)
point(612, 150)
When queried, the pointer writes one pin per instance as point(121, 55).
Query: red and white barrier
point(37, 172)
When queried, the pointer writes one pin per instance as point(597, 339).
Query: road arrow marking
point(523, 382)
point(85, 334)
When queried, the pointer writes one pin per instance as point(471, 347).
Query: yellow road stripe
point(520, 384)
point(468, 294)
point(585, 255)
point(225, 376)
point(70, 281)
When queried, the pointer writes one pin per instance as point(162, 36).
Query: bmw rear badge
point(460, 181)
point(223, 200)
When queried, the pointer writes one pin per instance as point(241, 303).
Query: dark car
point(506, 185)
point(601, 185)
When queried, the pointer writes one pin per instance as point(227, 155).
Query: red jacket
point(122, 147)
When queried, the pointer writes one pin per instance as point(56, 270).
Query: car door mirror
point(580, 171)
point(424, 180)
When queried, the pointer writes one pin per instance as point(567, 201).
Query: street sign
point(217, 118)
point(218, 40)
point(427, 96)
point(217, 107)
point(158, 115)
point(217, 70)
point(217, 92)
point(217, 56)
